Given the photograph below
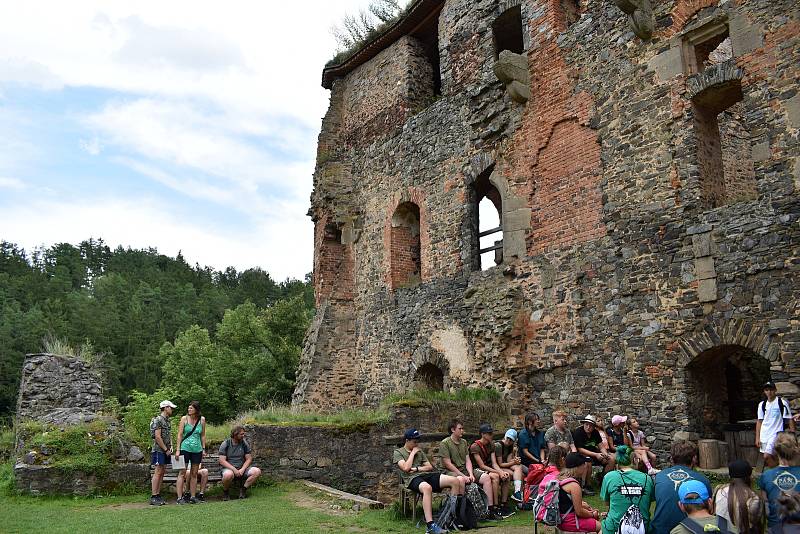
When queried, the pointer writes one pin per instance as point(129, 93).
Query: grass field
point(285, 508)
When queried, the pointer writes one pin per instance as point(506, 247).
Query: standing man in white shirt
point(774, 416)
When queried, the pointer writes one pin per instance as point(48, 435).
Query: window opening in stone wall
point(572, 11)
point(429, 377)
point(428, 34)
point(724, 152)
point(333, 234)
point(507, 32)
point(406, 251)
point(723, 388)
point(487, 224)
point(707, 46)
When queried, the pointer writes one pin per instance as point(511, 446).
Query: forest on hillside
point(230, 339)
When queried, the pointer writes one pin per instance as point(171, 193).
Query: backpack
point(466, 518)
point(694, 528)
point(782, 405)
point(545, 505)
point(536, 473)
point(632, 521)
point(154, 424)
point(446, 518)
point(478, 499)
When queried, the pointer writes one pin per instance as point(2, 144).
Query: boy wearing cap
point(482, 452)
point(508, 460)
point(694, 500)
point(667, 514)
point(771, 416)
point(161, 451)
point(417, 474)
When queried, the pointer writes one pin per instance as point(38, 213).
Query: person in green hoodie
point(624, 487)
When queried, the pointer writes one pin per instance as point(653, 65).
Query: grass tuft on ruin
point(87, 448)
point(352, 419)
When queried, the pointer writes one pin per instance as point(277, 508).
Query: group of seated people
point(684, 500)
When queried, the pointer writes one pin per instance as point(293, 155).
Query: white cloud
point(281, 245)
point(91, 146)
point(11, 183)
point(26, 72)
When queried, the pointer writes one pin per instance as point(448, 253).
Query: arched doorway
point(723, 387)
point(429, 376)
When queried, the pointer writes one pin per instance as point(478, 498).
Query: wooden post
point(708, 450)
point(724, 454)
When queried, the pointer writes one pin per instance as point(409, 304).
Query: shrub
point(7, 443)
point(86, 447)
point(138, 413)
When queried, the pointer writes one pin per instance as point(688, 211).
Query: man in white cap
point(161, 452)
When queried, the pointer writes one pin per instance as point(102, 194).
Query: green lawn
point(285, 508)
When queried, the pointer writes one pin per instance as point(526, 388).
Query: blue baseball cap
point(511, 434)
point(693, 487)
point(411, 433)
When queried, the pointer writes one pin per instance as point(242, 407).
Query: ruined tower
point(643, 160)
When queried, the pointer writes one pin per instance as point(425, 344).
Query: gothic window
point(487, 223)
point(406, 250)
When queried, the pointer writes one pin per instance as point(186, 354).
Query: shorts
point(430, 478)
point(160, 458)
point(572, 523)
point(246, 473)
point(194, 458)
point(768, 447)
point(479, 473)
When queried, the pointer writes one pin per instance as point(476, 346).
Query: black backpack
point(694, 528)
point(466, 518)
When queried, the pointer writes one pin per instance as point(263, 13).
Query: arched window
point(487, 223)
point(406, 251)
point(507, 32)
point(429, 376)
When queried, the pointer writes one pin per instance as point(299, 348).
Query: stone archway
point(429, 377)
point(724, 367)
point(430, 370)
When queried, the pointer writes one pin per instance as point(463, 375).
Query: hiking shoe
point(517, 496)
point(225, 495)
point(181, 501)
point(243, 493)
point(161, 501)
point(201, 497)
point(653, 471)
point(155, 501)
point(504, 512)
point(435, 529)
point(194, 500)
point(186, 496)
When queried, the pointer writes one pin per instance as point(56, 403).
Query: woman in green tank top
point(192, 444)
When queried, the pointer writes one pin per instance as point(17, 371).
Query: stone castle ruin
point(643, 158)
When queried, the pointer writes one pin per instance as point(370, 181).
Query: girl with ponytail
point(737, 502)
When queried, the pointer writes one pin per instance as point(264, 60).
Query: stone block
point(683, 435)
point(519, 92)
point(745, 36)
point(667, 64)
point(704, 268)
point(793, 110)
point(707, 290)
point(787, 389)
point(762, 151)
point(703, 245)
point(514, 244)
point(511, 67)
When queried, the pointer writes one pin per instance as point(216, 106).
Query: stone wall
point(45, 480)
point(626, 270)
point(59, 390)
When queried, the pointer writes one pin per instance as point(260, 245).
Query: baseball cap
point(486, 428)
point(511, 434)
point(573, 460)
point(692, 487)
point(769, 384)
point(166, 403)
point(618, 419)
point(739, 469)
point(411, 433)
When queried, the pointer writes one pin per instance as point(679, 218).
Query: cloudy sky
point(180, 125)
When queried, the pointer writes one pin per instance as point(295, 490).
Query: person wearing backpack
point(694, 501)
point(161, 452)
point(781, 480)
point(774, 416)
point(192, 446)
point(628, 493)
point(560, 500)
point(737, 502)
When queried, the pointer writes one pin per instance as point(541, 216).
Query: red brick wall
point(333, 265)
point(709, 157)
point(407, 255)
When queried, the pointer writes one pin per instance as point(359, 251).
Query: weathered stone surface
point(607, 202)
point(46, 480)
point(519, 92)
point(58, 390)
point(512, 67)
point(135, 454)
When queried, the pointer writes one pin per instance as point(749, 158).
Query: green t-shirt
point(501, 452)
point(402, 454)
point(711, 521)
point(455, 452)
point(621, 489)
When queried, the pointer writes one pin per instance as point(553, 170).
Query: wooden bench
point(210, 462)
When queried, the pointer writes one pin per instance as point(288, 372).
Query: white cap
point(166, 403)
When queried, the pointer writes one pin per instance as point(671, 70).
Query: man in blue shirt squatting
point(668, 514)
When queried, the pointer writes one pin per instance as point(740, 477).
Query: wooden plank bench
point(210, 462)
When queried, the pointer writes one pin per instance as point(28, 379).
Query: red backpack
point(536, 473)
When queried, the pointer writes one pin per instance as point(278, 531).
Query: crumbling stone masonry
point(646, 172)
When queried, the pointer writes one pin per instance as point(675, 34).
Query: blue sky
point(182, 125)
